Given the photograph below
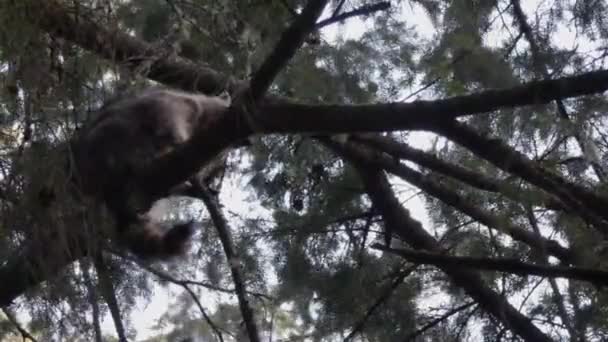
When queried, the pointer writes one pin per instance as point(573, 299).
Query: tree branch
point(363, 10)
point(274, 116)
point(589, 205)
point(109, 293)
point(412, 232)
point(562, 112)
point(455, 200)
point(398, 280)
point(92, 298)
point(55, 18)
point(185, 285)
point(438, 320)
point(286, 48)
point(167, 277)
point(513, 266)
point(224, 233)
point(544, 259)
point(13, 320)
point(280, 116)
point(462, 174)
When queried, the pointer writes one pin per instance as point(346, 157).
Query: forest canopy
point(415, 170)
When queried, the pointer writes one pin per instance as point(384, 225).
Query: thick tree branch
point(286, 48)
point(514, 266)
point(411, 231)
point(455, 200)
point(589, 205)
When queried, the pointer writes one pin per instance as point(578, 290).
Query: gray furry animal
point(126, 135)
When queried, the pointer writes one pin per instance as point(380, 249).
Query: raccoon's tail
point(148, 240)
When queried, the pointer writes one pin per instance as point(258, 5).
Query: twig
point(184, 283)
point(379, 301)
point(514, 266)
point(215, 329)
point(167, 277)
point(561, 308)
point(438, 320)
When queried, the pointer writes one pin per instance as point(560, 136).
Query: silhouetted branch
point(544, 259)
point(185, 285)
point(363, 10)
point(398, 280)
point(92, 297)
point(454, 199)
point(562, 112)
point(289, 43)
point(194, 297)
point(413, 233)
point(467, 176)
point(514, 266)
point(589, 205)
point(233, 263)
point(437, 321)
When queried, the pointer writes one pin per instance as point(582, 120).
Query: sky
point(146, 314)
